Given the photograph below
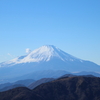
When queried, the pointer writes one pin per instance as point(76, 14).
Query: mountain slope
point(20, 93)
point(73, 88)
point(68, 88)
point(11, 87)
point(38, 82)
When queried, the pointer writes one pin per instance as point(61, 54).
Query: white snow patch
point(44, 53)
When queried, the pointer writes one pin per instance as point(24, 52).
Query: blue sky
point(71, 25)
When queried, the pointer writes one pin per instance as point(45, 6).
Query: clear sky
point(71, 25)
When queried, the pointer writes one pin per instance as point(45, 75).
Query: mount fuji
point(47, 57)
point(44, 54)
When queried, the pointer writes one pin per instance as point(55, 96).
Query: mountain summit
point(47, 57)
point(44, 53)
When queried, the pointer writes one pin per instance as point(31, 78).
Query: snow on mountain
point(44, 53)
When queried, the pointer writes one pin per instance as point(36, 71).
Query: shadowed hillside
point(66, 88)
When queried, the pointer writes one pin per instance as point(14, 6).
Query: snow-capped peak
point(44, 53)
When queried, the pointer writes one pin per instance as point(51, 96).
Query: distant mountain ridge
point(20, 83)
